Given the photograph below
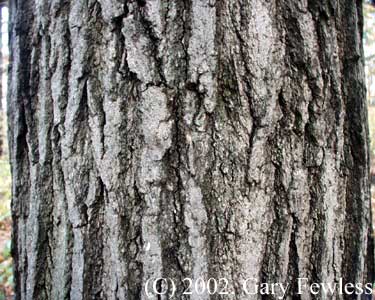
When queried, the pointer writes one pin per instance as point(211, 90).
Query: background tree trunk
point(184, 139)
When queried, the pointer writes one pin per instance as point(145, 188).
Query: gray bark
point(223, 139)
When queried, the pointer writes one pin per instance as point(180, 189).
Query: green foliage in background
point(6, 270)
point(369, 32)
point(4, 188)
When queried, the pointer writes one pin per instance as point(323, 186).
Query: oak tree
point(187, 139)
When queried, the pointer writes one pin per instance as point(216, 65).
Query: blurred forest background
point(5, 194)
point(369, 47)
point(6, 277)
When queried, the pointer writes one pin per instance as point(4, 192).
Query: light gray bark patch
point(157, 136)
point(202, 51)
point(112, 9)
point(196, 219)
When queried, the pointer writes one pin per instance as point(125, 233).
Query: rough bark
point(185, 139)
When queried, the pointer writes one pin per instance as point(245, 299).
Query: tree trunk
point(187, 139)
